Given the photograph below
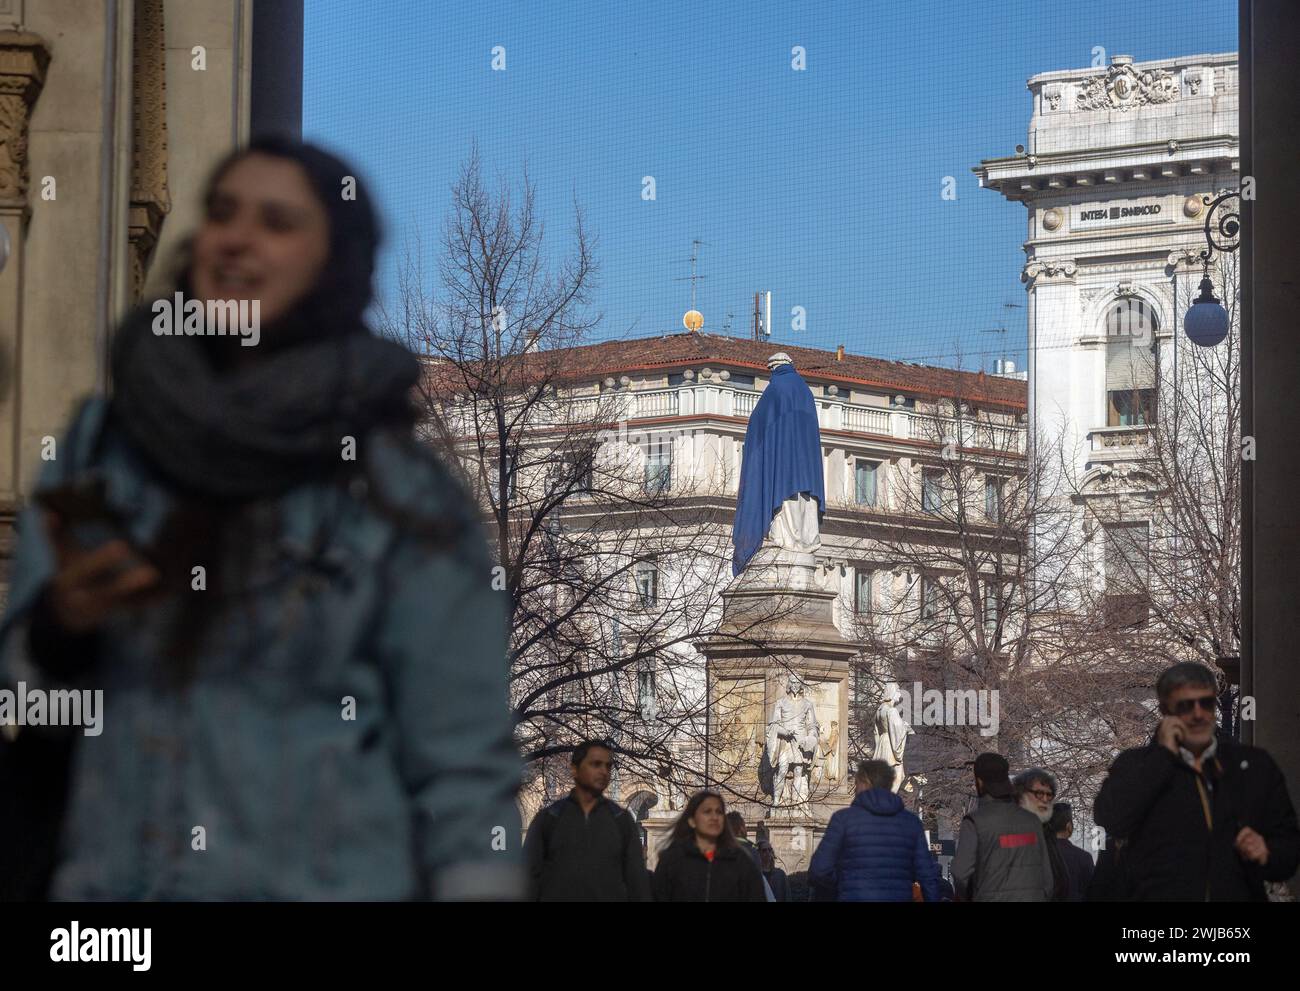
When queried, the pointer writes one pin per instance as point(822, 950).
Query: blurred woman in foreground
point(284, 599)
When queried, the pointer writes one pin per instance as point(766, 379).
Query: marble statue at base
point(892, 732)
point(792, 737)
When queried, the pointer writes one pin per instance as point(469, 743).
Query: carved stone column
point(24, 58)
point(150, 199)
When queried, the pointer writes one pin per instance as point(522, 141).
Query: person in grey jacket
point(1001, 854)
point(246, 551)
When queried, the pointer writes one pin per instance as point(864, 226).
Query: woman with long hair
point(701, 860)
point(271, 583)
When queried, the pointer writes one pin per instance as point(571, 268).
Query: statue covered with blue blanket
point(782, 493)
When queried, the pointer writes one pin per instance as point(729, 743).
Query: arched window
point(1130, 363)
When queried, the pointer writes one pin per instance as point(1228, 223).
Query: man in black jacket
point(1078, 865)
point(1197, 818)
point(585, 847)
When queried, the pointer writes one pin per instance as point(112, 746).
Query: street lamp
point(1206, 321)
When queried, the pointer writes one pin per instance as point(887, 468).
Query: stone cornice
point(1108, 169)
point(1166, 64)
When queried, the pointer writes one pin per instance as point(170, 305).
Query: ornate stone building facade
point(1115, 177)
point(1120, 165)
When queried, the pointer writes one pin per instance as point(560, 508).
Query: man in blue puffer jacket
point(875, 849)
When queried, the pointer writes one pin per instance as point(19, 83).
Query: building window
point(583, 468)
point(494, 480)
point(864, 481)
point(929, 598)
point(572, 473)
point(993, 498)
point(1134, 408)
point(992, 597)
point(647, 584)
point(1127, 562)
point(659, 466)
point(647, 702)
point(1130, 364)
point(931, 490)
point(862, 592)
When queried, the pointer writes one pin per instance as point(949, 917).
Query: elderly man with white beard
point(1036, 791)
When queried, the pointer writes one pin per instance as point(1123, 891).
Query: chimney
point(1009, 367)
point(839, 353)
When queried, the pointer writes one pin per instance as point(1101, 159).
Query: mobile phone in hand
point(86, 516)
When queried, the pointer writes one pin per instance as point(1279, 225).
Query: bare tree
point(607, 556)
point(1186, 567)
point(978, 566)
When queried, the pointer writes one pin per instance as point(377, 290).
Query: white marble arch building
point(1112, 176)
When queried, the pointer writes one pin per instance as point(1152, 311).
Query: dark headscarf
point(258, 430)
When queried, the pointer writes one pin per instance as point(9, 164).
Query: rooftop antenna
point(726, 327)
point(1000, 329)
point(693, 319)
point(695, 256)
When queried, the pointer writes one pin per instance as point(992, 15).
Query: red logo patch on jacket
point(1017, 839)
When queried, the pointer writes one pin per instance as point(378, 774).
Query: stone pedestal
point(777, 621)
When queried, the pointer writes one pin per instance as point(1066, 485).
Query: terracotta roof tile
point(686, 349)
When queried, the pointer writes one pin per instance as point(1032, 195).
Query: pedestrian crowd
point(1191, 816)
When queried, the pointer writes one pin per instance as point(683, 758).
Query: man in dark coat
point(1078, 865)
point(875, 849)
point(775, 877)
point(1197, 818)
point(585, 847)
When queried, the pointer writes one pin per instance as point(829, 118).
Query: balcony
point(655, 402)
point(1108, 444)
point(833, 413)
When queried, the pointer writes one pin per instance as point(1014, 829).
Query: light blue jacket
point(412, 798)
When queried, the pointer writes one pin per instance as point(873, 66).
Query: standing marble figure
point(782, 493)
point(792, 736)
point(892, 732)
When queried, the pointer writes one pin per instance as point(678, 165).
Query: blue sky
point(821, 185)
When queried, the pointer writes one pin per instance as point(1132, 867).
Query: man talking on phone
point(1198, 817)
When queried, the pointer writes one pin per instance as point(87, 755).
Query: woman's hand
point(91, 584)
